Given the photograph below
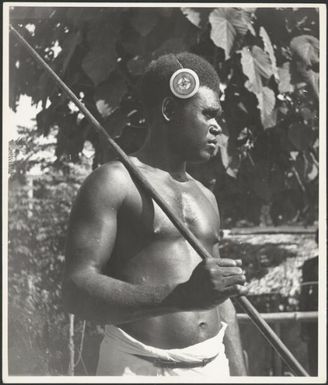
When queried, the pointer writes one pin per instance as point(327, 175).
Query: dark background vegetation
point(265, 173)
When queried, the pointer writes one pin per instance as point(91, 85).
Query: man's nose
point(215, 128)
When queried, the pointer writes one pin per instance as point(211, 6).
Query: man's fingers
point(226, 262)
point(235, 290)
point(232, 271)
point(235, 280)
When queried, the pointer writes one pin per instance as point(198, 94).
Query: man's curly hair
point(155, 81)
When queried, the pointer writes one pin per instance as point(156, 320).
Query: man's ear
point(168, 108)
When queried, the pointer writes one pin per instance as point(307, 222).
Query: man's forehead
point(208, 98)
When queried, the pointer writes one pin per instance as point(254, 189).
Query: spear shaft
point(139, 178)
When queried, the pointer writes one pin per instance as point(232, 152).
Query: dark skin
point(126, 262)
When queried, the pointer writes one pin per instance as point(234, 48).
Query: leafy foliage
point(39, 204)
point(267, 60)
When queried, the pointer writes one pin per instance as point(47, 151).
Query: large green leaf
point(306, 48)
point(267, 103)
point(109, 94)
point(270, 51)
point(262, 62)
point(144, 20)
point(100, 62)
point(69, 46)
point(197, 16)
point(255, 64)
point(101, 59)
point(254, 82)
point(227, 24)
point(285, 84)
point(223, 32)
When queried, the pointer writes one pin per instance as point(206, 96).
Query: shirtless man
point(166, 311)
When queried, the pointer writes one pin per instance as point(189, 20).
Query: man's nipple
point(202, 325)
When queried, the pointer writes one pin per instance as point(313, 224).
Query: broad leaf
point(284, 84)
point(99, 63)
point(269, 50)
point(239, 19)
point(226, 24)
point(262, 62)
point(197, 16)
point(109, 94)
point(69, 46)
point(254, 82)
point(223, 32)
point(144, 20)
point(267, 102)
point(255, 65)
point(101, 59)
point(306, 48)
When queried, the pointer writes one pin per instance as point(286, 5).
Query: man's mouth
point(212, 143)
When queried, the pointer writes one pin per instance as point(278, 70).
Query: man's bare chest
point(142, 216)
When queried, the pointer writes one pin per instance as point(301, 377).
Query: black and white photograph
point(164, 193)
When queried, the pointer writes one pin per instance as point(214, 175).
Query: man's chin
point(200, 158)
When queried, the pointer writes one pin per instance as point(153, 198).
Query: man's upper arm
point(92, 227)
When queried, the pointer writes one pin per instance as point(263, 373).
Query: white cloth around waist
point(119, 355)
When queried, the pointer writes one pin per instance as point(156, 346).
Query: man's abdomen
point(176, 330)
point(168, 260)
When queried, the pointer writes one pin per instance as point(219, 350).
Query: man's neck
point(157, 153)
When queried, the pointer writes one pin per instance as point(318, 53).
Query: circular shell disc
point(184, 83)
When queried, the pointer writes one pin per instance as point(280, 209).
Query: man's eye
point(220, 120)
point(210, 115)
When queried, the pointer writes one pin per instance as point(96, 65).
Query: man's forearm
point(232, 339)
point(108, 300)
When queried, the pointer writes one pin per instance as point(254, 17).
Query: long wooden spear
point(138, 177)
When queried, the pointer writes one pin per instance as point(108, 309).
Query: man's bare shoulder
point(107, 184)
